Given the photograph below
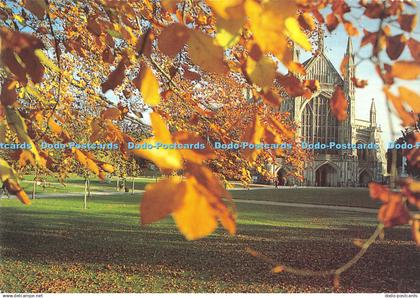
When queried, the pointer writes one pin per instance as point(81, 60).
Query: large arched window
point(319, 124)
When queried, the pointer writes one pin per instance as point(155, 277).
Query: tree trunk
point(34, 189)
point(86, 192)
point(132, 185)
point(118, 183)
point(88, 187)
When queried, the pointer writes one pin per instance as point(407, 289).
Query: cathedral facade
point(317, 124)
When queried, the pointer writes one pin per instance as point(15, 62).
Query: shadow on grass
point(105, 240)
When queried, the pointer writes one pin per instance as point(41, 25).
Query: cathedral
point(334, 167)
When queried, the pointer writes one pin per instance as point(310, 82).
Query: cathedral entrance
point(364, 178)
point(326, 175)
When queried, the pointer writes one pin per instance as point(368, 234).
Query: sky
point(335, 47)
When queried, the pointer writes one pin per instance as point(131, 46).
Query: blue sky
point(335, 47)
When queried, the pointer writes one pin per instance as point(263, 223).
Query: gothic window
point(362, 154)
point(319, 124)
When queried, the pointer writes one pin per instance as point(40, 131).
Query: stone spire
point(349, 50)
point(295, 53)
point(321, 45)
point(373, 113)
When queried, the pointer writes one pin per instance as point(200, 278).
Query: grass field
point(353, 197)
point(55, 245)
point(77, 184)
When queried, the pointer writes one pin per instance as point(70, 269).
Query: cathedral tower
point(349, 74)
point(372, 117)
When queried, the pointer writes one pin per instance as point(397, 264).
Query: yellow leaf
point(160, 131)
point(206, 53)
point(46, 61)
point(195, 218)
point(277, 269)
point(161, 199)
point(9, 178)
point(227, 9)
point(19, 18)
point(296, 34)
point(411, 98)
point(162, 157)
point(148, 85)
point(261, 72)
point(228, 31)
point(15, 121)
point(267, 24)
point(107, 168)
point(406, 70)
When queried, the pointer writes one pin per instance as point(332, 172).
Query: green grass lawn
point(353, 197)
point(55, 245)
point(77, 184)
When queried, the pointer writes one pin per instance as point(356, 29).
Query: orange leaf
point(339, 104)
point(172, 39)
point(411, 98)
point(24, 157)
point(359, 83)
point(406, 70)
point(414, 47)
point(191, 75)
point(37, 7)
point(195, 218)
point(285, 132)
point(161, 199)
point(261, 72)
point(368, 38)
point(331, 22)
point(344, 64)
point(292, 85)
point(271, 98)
point(55, 128)
point(8, 94)
point(253, 134)
point(374, 10)
point(107, 168)
point(306, 21)
point(393, 212)
point(206, 53)
point(415, 229)
point(407, 21)
point(408, 118)
point(351, 30)
point(197, 153)
point(111, 113)
point(395, 46)
point(116, 77)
